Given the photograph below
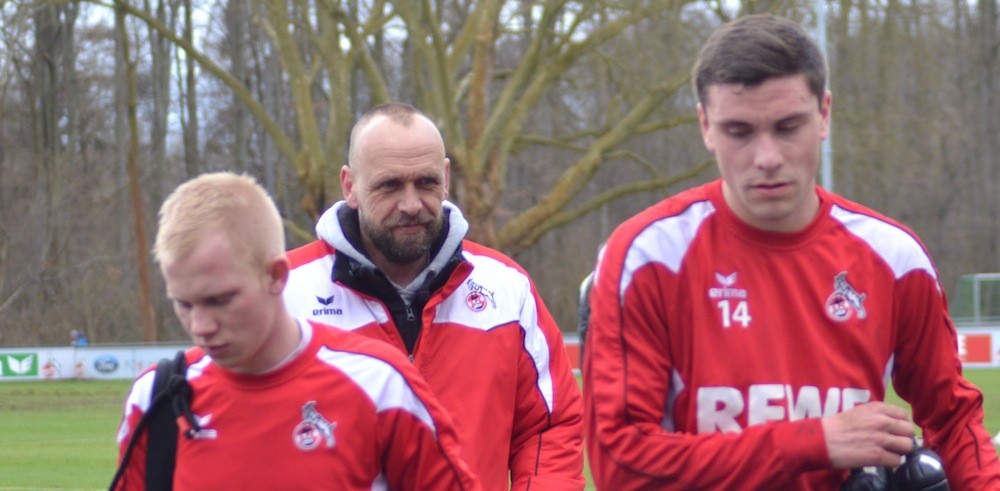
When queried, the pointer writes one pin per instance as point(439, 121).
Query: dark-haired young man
point(744, 332)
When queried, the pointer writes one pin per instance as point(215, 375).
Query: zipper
point(410, 316)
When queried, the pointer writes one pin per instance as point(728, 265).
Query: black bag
point(169, 383)
point(921, 471)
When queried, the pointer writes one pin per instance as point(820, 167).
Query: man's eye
point(738, 131)
point(219, 301)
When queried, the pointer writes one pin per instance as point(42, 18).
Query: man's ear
point(825, 106)
point(447, 177)
point(347, 186)
point(277, 273)
point(706, 137)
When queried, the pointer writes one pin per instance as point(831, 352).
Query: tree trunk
point(121, 138)
point(192, 165)
point(990, 63)
point(159, 51)
point(49, 43)
point(141, 245)
point(71, 87)
point(237, 18)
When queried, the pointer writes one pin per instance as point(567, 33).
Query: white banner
point(977, 347)
point(92, 362)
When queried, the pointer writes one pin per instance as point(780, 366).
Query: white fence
point(977, 348)
point(96, 362)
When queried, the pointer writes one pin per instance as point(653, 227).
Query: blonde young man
point(278, 402)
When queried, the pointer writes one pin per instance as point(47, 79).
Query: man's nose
point(409, 201)
point(201, 322)
point(767, 154)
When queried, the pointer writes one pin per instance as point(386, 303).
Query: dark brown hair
point(752, 49)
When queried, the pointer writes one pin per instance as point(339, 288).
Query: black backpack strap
point(169, 386)
point(161, 440)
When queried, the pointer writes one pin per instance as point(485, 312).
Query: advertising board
point(91, 362)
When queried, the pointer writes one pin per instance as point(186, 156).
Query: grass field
point(61, 435)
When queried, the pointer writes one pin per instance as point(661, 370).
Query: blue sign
point(106, 364)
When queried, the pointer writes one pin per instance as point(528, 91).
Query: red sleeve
point(628, 376)
point(136, 404)
point(928, 374)
point(547, 441)
point(546, 449)
point(421, 450)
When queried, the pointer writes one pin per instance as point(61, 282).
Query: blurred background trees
point(561, 119)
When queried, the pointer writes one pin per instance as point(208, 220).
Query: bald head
point(391, 120)
point(397, 179)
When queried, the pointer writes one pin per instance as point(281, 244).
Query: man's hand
point(872, 434)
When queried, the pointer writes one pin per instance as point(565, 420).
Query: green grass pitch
point(61, 435)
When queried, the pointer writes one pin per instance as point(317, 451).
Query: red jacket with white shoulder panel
point(477, 331)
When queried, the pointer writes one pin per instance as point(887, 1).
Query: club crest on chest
point(314, 430)
point(845, 302)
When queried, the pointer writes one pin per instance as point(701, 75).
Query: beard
point(411, 247)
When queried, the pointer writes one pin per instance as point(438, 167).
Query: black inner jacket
point(371, 281)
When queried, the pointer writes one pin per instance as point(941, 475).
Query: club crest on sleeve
point(845, 302)
point(479, 297)
point(314, 430)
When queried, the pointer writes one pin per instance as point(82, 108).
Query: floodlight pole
point(826, 149)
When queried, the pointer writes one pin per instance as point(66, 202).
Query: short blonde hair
point(221, 201)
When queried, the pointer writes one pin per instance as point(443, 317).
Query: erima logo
point(19, 365)
point(326, 309)
point(727, 290)
point(725, 280)
point(204, 433)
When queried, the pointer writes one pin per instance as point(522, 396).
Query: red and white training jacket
point(488, 347)
point(346, 413)
point(715, 347)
